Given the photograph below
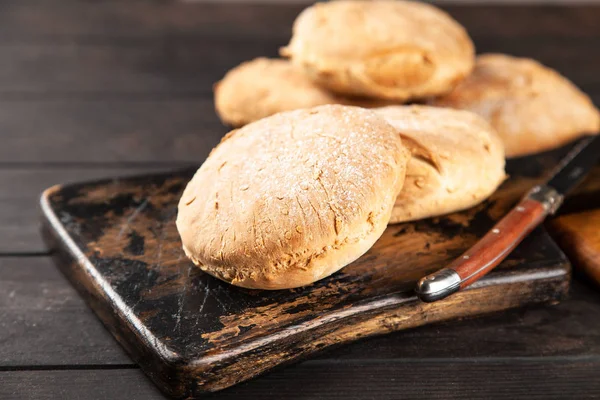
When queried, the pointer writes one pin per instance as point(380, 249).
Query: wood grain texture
point(108, 20)
point(192, 333)
point(125, 384)
point(108, 131)
point(129, 120)
point(568, 329)
point(444, 379)
point(190, 67)
point(139, 20)
point(158, 67)
point(499, 242)
point(103, 132)
point(579, 236)
point(46, 324)
point(19, 206)
point(171, 49)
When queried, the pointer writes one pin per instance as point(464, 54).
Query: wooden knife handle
point(579, 236)
point(498, 243)
point(494, 247)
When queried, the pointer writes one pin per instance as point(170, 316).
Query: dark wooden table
point(96, 89)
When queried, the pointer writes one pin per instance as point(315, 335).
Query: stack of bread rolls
point(327, 153)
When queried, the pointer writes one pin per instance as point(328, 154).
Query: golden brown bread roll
point(292, 198)
point(397, 50)
point(263, 87)
point(533, 108)
point(457, 160)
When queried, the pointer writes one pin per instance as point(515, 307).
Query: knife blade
point(542, 200)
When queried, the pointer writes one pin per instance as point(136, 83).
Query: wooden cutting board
point(191, 333)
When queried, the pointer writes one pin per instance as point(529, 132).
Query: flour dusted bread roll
point(292, 198)
point(396, 50)
point(533, 108)
point(457, 160)
point(263, 87)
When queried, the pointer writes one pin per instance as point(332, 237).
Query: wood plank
point(178, 67)
point(159, 67)
point(105, 131)
point(128, 384)
point(43, 322)
point(20, 189)
point(143, 19)
point(108, 131)
point(542, 20)
point(348, 379)
point(560, 330)
point(435, 379)
point(56, 20)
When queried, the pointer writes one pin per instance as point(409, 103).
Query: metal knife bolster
point(438, 285)
point(539, 202)
point(547, 196)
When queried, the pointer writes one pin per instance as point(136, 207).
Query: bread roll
point(397, 50)
point(263, 87)
point(457, 160)
point(292, 198)
point(533, 108)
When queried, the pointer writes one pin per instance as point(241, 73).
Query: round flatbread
point(262, 87)
point(292, 198)
point(397, 50)
point(533, 108)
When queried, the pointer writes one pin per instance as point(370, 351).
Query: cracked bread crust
point(292, 198)
point(457, 160)
point(532, 107)
point(395, 50)
point(262, 87)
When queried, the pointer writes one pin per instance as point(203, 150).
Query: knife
point(542, 200)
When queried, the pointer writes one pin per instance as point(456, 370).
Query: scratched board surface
point(192, 333)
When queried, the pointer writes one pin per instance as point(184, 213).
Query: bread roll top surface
point(292, 198)
point(389, 49)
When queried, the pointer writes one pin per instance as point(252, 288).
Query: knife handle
point(493, 248)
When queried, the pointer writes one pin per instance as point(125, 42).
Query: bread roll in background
point(396, 50)
point(533, 108)
point(457, 160)
point(292, 198)
point(263, 87)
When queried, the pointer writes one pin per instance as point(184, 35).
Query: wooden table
point(124, 87)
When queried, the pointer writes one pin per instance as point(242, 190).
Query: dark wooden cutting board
point(191, 333)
